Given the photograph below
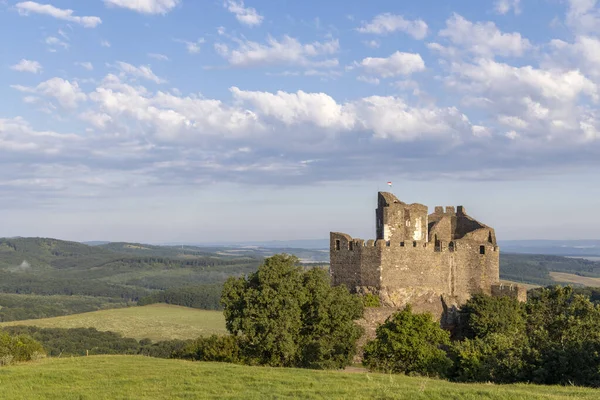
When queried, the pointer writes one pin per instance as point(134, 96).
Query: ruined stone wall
point(515, 291)
point(421, 273)
point(353, 262)
point(399, 221)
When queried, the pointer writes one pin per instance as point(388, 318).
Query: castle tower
point(400, 222)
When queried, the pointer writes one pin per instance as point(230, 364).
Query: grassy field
point(136, 377)
point(572, 278)
point(156, 322)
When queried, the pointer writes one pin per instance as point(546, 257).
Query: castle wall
point(434, 262)
point(423, 273)
point(356, 263)
point(515, 291)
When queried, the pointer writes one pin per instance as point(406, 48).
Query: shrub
point(371, 300)
point(409, 343)
point(212, 348)
point(19, 348)
point(495, 358)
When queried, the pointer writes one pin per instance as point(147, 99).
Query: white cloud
point(27, 7)
point(298, 108)
point(368, 79)
point(391, 117)
point(142, 71)
point(28, 66)
point(105, 43)
point(285, 51)
point(145, 6)
point(67, 94)
point(484, 38)
point(193, 47)
point(266, 116)
point(160, 57)
point(582, 54)
point(541, 106)
point(86, 64)
point(374, 44)
point(53, 42)
point(168, 116)
point(245, 15)
point(387, 23)
point(502, 79)
point(397, 64)
point(504, 6)
point(583, 16)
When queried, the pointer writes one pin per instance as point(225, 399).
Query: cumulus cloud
point(143, 71)
point(541, 106)
point(583, 16)
point(387, 23)
point(484, 38)
point(505, 6)
point(27, 66)
point(287, 51)
point(145, 6)
point(245, 15)
point(582, 54)
point(28, 7)
point(397, 64)
point(68, 94)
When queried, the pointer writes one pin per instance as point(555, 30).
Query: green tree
point(483, 315)
point(288, 317)
point(496, 358)
point(328, 335)
point(409, 343)
point(564, 332)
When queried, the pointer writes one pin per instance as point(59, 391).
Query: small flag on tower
point(390, 184)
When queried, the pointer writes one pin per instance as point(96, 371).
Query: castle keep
point(432, 261)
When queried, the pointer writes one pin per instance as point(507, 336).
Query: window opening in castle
point(351, 246)
point(451, 246)
point(481, 249)
point(337, 244)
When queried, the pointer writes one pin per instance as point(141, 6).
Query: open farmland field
point(572, 278)
point(155, 322)
point(137, 377)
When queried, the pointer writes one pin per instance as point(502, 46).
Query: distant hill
point(129, 271)
point(552, 247)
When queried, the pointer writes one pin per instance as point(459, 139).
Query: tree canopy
point(287, 316)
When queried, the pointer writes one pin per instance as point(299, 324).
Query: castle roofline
point(388, 198)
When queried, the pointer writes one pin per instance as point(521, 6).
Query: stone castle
point(434, 262)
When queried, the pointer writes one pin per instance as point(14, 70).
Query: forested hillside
point(535, 269)
point(112, 274)
point(61, 277)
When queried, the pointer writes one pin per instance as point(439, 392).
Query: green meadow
point(138, 377)
point(155, 322)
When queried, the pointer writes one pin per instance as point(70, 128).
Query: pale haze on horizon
point(186, 121)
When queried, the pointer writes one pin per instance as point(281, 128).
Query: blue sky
point(180, 120)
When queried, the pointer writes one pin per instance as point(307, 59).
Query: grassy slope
point(156, 322)
point(135, 377)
